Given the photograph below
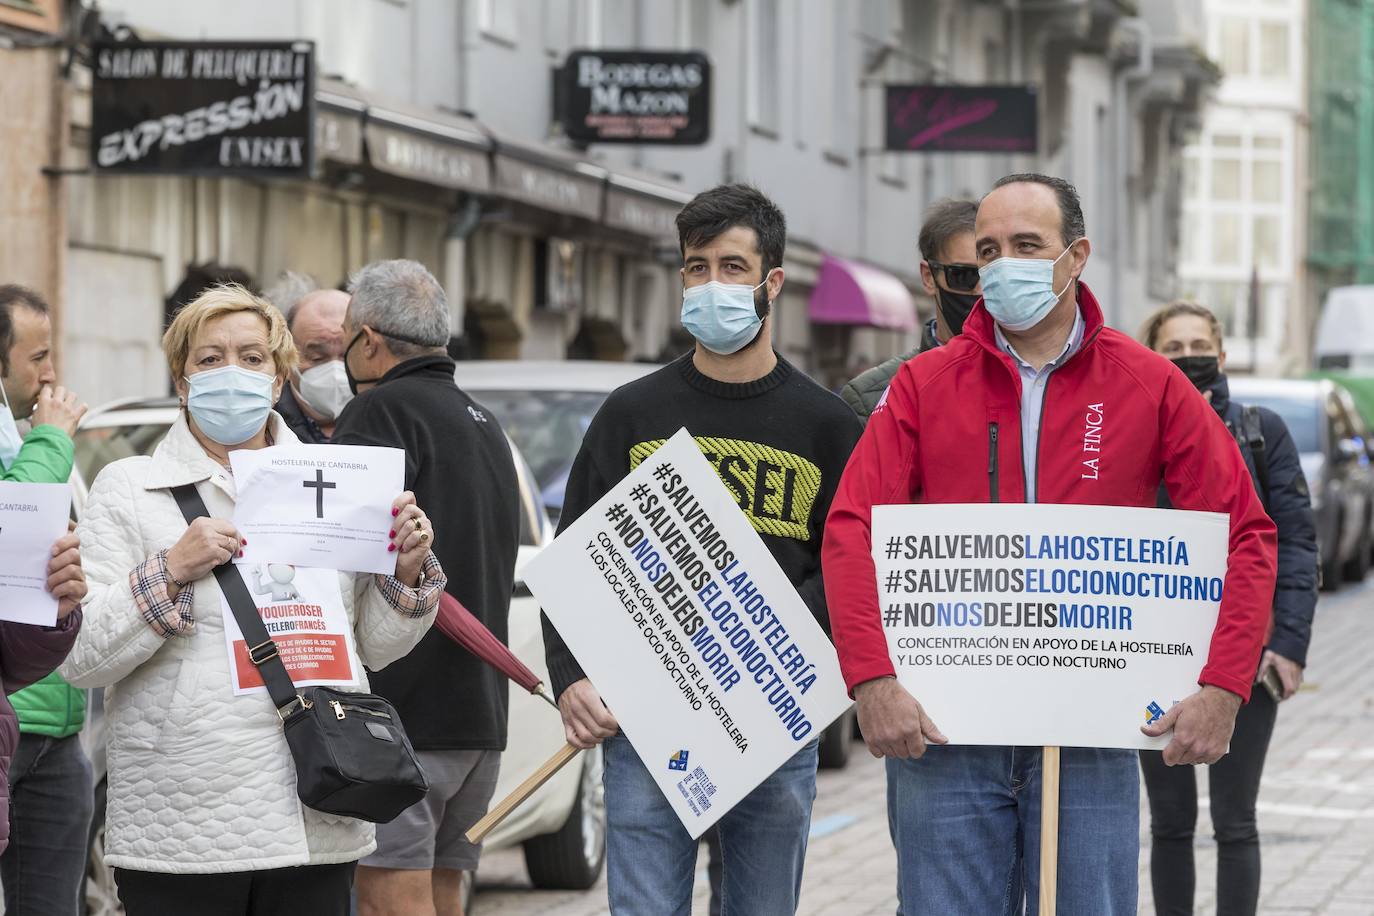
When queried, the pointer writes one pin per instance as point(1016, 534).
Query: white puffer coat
point(199, 780)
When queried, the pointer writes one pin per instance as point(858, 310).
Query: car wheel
point(571, 857)
point(100, 896)
point(836, 742)
point(1357, 567)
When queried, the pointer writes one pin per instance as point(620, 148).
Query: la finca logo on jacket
point(1092, 441)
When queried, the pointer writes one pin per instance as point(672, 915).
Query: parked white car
point(562, 828)
point(546, 408)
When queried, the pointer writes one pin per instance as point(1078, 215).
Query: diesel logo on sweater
point(776, 489)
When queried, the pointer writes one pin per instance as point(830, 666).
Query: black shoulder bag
point(352, 756)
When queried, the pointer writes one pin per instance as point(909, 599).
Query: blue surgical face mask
point(722, 316)
point(229, 404)
point(1019, 292)
point(10, 440)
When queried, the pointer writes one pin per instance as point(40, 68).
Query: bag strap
point(262, 651)
point(1254, 436)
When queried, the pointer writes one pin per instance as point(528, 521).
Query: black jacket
point(306, 429)
point(1290, 506)
point(459, 465)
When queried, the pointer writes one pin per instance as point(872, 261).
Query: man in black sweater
point(459, 465)
point(780, 443)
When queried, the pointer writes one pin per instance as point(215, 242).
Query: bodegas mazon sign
point(208, 108)
point(635, 97)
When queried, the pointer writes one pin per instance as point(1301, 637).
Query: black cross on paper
point(320, 485)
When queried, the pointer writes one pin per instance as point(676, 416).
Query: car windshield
point(101, 445)
point(548, 427)
point(1298, 413)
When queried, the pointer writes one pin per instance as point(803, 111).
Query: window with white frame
point(1254, 44)
point(1237, 187)
point(765, 95)
point(841, 136)
point(497, 19)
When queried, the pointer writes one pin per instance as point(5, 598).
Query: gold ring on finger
point(418, 526)
point(424, 536)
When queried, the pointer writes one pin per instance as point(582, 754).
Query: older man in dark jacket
point(459, 464)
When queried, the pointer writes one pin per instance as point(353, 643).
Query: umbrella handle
point(543, 693)
point(521, 792)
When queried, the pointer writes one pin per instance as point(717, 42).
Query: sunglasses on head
point(961, 278)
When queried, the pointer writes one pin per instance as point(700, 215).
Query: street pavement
point(1316, 808)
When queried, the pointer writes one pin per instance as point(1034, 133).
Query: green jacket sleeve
point(45, 457)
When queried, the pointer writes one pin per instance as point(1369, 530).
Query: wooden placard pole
point(1049, 830)
point(521, 792)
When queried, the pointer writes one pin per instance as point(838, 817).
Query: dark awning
point(644, 206)
point(549, 178)
point(339, 112)
point(429, 146)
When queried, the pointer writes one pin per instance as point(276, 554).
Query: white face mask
point(325, 388)
point(10, 440)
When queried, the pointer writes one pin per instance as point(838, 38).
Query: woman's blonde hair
point(226, 299)
point(1149, 332)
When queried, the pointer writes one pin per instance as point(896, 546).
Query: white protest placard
point(32, 517)
point(695, 638)
point(326, 506)
point(1048, 624)
point(302, 610)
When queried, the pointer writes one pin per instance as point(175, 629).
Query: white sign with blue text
point(695, 638)
point(1048, 624)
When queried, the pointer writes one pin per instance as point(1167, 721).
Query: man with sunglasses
point(949, 273)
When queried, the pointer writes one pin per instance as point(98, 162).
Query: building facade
point(33, 133)
point(1341, 251)
point(1244, 230)
point(436, 140)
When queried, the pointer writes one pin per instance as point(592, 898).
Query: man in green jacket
point(949, 272)
point(50, 777)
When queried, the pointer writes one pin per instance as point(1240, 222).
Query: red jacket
point(932, 442)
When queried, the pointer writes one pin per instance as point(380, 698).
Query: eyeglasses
point(961, 278)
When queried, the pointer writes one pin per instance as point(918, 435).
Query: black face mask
point(1202, 371)
point(955, 308)
point(354, 382)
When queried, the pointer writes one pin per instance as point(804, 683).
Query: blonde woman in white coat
point(203, 815)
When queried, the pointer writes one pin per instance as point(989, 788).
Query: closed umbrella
point(459, 625)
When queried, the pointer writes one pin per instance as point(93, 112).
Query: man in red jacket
point(1034, 370)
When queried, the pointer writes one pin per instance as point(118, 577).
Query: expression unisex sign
point(203, 107)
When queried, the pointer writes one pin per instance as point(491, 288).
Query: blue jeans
point(50, 822)
point(651, 859)
point(965, 821)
